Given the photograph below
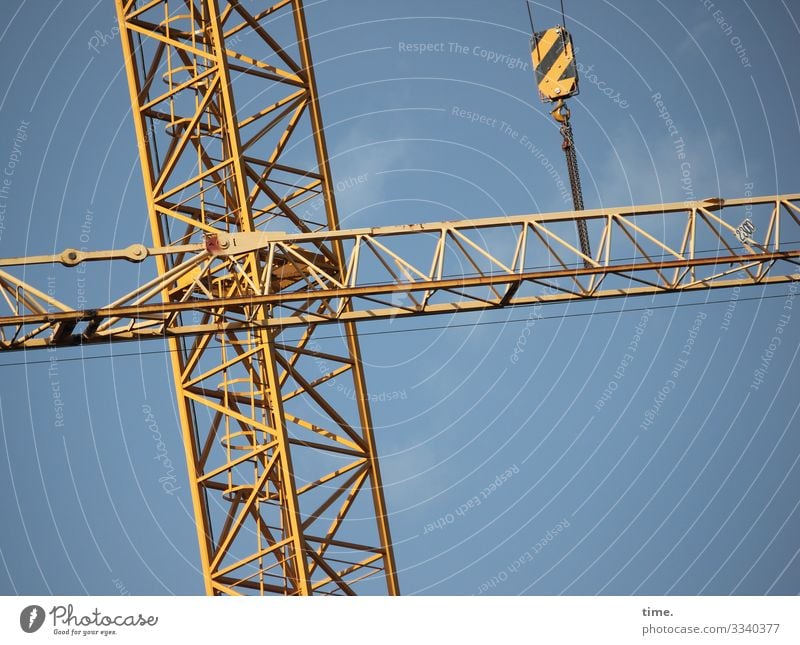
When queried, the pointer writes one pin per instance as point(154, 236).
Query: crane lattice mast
point(279, 463)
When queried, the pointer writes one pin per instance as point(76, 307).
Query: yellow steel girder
point(264, 524)
point(432, 268)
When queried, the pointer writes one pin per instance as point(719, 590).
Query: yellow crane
point(246, 247)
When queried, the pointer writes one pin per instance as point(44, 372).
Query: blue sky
point(702, 501)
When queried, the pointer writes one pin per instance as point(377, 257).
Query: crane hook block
point(554, 63)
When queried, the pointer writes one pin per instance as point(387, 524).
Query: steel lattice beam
point(440, 268)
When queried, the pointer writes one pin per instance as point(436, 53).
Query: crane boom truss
point(445, 267)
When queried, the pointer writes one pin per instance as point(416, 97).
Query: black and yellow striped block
point(554, 64)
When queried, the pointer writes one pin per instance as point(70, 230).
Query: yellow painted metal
point(210, 167)
point(274, 485)
point(554, 64)
point(184, 407)
point(422, 269)
point(365, 415)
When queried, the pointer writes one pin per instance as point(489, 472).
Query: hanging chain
point(562, 114)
